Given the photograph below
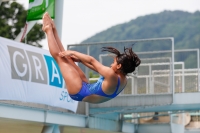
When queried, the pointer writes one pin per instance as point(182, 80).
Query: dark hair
point(128, 60)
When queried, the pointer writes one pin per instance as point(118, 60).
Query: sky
point(85, 18)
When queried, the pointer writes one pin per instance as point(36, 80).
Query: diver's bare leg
point(81, 73)
point(69, 73)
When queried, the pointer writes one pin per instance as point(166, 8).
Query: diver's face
point(114, 65)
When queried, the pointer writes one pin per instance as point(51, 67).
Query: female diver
point(109, 85)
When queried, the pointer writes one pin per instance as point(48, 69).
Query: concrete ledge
point(41, 116)
point(136, 100)
point(187, 98)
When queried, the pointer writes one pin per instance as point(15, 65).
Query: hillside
point(183, 26)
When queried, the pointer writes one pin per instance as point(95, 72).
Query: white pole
point(29, 27)
point(172, 64)
point(59, 16)
point(56, 129)
point(198, 69)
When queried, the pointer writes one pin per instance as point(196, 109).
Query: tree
point(12, 21)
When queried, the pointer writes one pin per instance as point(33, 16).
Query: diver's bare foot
point(52, 22)
point(46, 23)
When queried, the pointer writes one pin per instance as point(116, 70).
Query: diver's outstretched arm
point(75, 59)
point(86, 59)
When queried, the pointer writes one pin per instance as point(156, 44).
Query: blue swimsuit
point(95, 88)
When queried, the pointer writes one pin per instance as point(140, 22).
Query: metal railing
point(132, 86)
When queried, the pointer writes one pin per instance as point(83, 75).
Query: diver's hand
point(69, 54)
point(65, 53)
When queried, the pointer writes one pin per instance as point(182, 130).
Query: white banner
point(30, 74)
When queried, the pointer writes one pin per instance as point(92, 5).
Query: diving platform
point(105, 116)
point(148, 103)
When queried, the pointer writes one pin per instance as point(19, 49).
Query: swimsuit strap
point(123, 88)
point(118, 84)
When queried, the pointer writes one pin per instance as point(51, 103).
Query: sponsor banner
point(38, 7)
point(30, 74)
